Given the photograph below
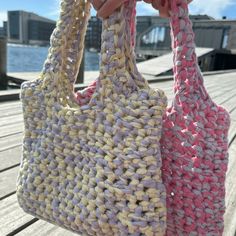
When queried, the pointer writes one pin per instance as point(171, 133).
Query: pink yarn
point(84, 96)
point(194, 142)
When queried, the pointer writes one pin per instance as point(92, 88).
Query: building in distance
point(3, 30)
point(93, 34)
point(153, 38)
point(29, 28)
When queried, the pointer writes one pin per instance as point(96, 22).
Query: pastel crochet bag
point(93, 166)
point(194, 142)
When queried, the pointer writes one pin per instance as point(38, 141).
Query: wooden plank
point(14, 219)
point(8, 181)
point(164, 85)
point(231, 168)
point(6, 105)
point(11, 129)
point(23, 76)
point(11, 112)
point(230, 214)
point(11, 215)
point(226, 78)
point(162, 64)
point(227, 101)
point(232, 130)
point(216, 90)
point(233, 114)
point(216, 80)
point(44, 228)
point(225, 94)
point(10, 157)
point(9, 95)
point(219, 94)
point(230, 104)
point(212, 83)
point(10, 141)
point(15, 119)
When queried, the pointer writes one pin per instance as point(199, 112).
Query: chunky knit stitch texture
point(194, 142)
point(84, 96)
point(93, 166)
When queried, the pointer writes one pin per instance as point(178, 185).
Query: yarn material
point(94, 166)
point(84, 96)
point(194, 142)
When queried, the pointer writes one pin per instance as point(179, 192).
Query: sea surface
point(21, 58)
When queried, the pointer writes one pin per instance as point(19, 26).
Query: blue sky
point(50, 8)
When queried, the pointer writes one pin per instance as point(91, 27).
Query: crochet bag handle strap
point(187, 74)
point(67, 40)
point(67, 43)
point(117, 50)
point(130, 48)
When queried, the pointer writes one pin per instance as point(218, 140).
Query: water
point(22, 58)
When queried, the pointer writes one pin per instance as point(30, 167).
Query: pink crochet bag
point(194, 142)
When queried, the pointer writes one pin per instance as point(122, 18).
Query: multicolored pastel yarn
point(194, 142)
point(85, 95)
point(93, 166)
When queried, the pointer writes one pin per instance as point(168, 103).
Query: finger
point(97, 4)
point(148, 1)
point(156, 4)
point(164, 8)
point(109, 7)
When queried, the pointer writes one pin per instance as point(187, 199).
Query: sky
point(50, 8)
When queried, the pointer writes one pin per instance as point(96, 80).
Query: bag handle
point(130, 50)
point(67, 40)
point(126, 20)
point(187, 74)
point(67, 45)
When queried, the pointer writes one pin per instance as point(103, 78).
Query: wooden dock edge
point(13, 94)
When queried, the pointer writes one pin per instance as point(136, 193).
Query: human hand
point(163, 6)
point(105, 8)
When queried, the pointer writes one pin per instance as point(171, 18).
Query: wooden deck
point(165, 63)
point(13, 221)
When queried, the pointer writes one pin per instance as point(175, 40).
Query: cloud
point(3, 17)
point(213, 8)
